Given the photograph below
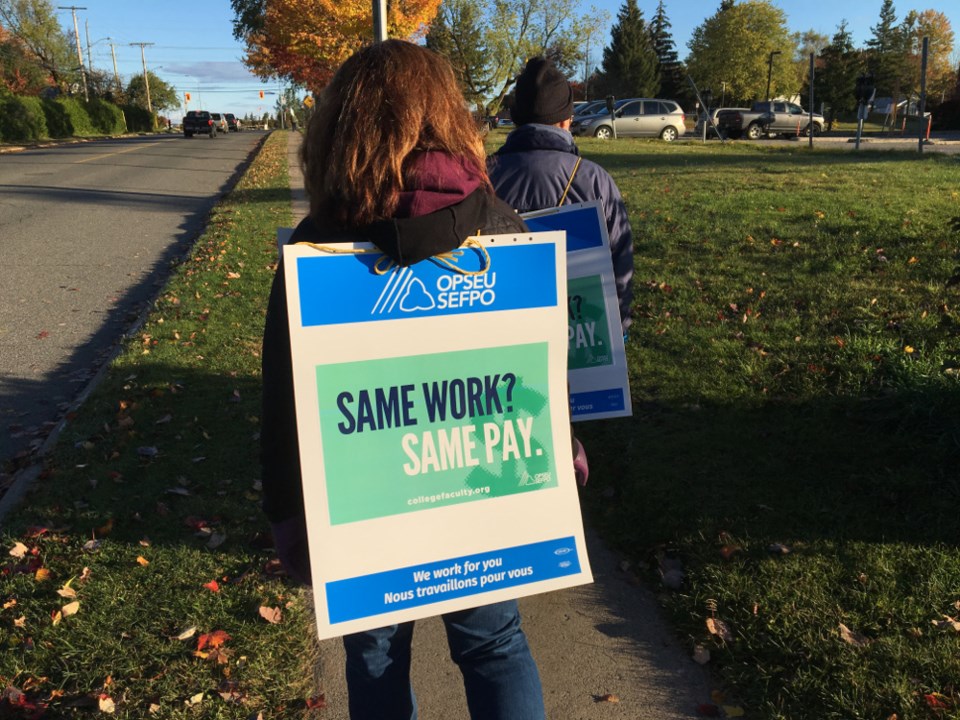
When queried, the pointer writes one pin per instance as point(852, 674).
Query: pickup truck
point(775, 117)
point(199, 122)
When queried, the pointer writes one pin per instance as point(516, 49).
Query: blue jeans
point(499, 674)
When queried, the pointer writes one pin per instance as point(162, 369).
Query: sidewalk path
point(589, 642)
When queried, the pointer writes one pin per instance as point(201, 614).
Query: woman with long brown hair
point(392, 156)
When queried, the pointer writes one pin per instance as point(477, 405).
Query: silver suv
point(634, 117)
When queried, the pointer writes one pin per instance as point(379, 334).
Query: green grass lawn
point(794, 364)
point(795, 449)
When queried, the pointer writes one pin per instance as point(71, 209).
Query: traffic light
point(261, 94)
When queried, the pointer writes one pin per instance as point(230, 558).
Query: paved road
point(87, 233)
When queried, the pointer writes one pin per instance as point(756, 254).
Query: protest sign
point(599, 381)
point(433, 429)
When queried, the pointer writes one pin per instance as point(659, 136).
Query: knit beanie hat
point(543, 94)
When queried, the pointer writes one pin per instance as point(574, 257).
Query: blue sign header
point(426, 289)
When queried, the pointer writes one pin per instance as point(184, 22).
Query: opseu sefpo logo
point(408, 294)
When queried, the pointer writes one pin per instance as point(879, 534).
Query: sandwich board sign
point(598, 376)
point(433, 426)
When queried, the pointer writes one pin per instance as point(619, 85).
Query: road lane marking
point(118, 152)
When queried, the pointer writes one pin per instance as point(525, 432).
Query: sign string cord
point(447, 259)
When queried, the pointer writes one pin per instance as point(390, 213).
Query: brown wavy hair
point(388, 100)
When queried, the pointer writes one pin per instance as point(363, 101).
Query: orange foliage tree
point(307, 40)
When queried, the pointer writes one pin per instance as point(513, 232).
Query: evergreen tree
point(836, 77)
point(668, 65)
point(887, 52)
point(457, 34)
point(629, 62)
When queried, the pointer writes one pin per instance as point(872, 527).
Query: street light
point(770, 69)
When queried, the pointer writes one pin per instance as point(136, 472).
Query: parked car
point(776, 117)
point(634, 117)
point(233, 123)
point(588, 108)
point(714, 112)
point(220, 121)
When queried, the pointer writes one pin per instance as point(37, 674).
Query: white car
point(634, 117)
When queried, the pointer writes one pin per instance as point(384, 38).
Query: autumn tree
point(20, 73)
point(672, 84)
point(162, 95)
point(35, 25)
point(305, 41)
point(935, 26)
point(630, 64)
point(734, 46)
point(839, 65)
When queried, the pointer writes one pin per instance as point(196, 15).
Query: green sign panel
point(413, 433)
point(588, 336)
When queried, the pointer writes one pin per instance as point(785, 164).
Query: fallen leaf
point(91, 545)
point(948, 623)
point(19, 550)
point(67, 591)
point(216, 540)
point(142, 560)
point(701, 655)
point(194, 700)
point(70, 608)
point(212, 640)
point(55, 617)
point(105, 703)
point(852, 637)
point(778, 549)
point(147, 451)
point(732, 711)
point(42, 574)
point(937, 701)
point(271, 614)
point(316, 702)
point(9, 603)
point(187, 633)
point(212, 586)
point(720, 629)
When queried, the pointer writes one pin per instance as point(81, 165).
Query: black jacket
point(407, 241)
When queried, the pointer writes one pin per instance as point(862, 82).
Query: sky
point(194, 50)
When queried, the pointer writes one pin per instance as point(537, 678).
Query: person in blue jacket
point(539, 167)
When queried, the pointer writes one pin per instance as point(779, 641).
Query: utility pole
point(116, 75)
point(770, 70)
point(86, 26)
point(146, 79)
point(379, 20)
point(76, 35)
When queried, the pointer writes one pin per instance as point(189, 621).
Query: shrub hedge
point(27, 118)
point(138, 119)
point(22, 118)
